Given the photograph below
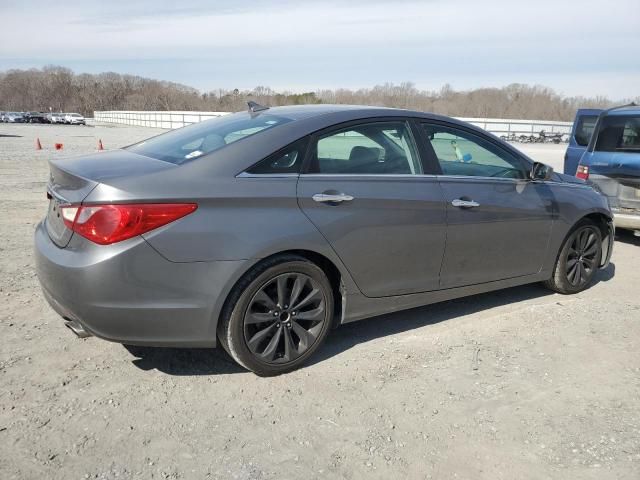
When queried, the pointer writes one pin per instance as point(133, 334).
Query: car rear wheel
point(578, 260)
point(278, 315)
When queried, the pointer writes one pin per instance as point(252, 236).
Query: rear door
point(581, 132)
point(498, 221)
point(365, 191)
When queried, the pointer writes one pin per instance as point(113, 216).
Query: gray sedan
point(264, 229)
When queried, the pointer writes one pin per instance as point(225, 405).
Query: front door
point(364, 190)
point(499, 221)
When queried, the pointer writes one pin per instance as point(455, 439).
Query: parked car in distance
point(13, 117)
point(581, 132)
point(612, 162)
point(55, 117)
point(35, 117)
point(74, 119)
point(262, 230)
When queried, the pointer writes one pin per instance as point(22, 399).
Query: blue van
point(583, 125)
point(611, 161)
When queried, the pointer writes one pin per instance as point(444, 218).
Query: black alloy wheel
point(277, 315)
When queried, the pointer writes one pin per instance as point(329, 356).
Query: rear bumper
point(626, 219)
point(128, 293)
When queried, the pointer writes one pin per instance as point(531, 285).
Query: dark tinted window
point(461, 153)
point(372, 148)
point(287, 160)
point(619, 134)
point(196, 140)
point(584, 129)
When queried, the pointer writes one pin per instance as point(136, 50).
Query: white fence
point(502, 126)
point(155, 119)
point(497, 126)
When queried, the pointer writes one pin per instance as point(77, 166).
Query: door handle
point(331, 198)
point(458, 202)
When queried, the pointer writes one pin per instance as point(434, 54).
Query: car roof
point(629, 110)
point(300, 112)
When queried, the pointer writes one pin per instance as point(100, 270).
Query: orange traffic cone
point(100, 147)
point(59, 146)
point(38, 144)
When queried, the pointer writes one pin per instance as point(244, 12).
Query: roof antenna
point(256, 107)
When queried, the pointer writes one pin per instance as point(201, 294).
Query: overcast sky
point(578, 47)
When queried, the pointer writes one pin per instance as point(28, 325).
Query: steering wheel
point(504, 173)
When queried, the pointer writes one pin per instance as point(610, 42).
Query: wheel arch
point(599, 218)
point(335, 276)
point(604, 221)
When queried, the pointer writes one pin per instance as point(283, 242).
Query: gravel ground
point(517, 384)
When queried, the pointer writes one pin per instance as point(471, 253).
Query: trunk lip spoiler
point(59, 198)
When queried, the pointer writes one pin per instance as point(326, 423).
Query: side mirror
point(540, 171)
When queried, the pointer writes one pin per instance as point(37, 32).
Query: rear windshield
point(619, 134)
point(584, 129)
point(179, 146)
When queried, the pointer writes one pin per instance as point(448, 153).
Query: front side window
point(619, 134)
point(179, 146)
point(462, 153)
point(372, 148)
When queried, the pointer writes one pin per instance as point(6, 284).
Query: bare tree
point(60, 89)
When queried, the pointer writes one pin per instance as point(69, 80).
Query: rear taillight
point(583, 172)
point(106, 224)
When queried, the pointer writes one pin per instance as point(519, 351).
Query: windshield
point(619, 134)
point(199, 139)
point(584, 129)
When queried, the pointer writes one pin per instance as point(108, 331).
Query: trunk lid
point(71, 180)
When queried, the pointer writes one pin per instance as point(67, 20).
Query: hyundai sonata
point(262, 230)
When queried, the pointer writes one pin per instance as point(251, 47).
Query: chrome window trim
point(400, 176)
point(266, 175)
point(479, 177)
point(368, 175)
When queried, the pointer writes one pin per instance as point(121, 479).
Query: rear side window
point(371, 149)
point(287, 160)
point(179, 146)
point(584, 129)
point(619, 134)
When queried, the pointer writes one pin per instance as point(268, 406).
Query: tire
point(266, 333)
point(578, 259)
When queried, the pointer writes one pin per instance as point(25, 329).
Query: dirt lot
point(518, 384)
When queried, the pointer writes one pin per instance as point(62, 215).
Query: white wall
point(175, 119)
point(164, 119)
point(502, 126)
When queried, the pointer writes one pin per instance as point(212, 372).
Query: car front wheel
point(278, 315)
point(578, 260)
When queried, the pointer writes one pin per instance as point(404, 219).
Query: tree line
point(60, 89)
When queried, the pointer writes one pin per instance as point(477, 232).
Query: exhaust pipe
point(77, 328)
